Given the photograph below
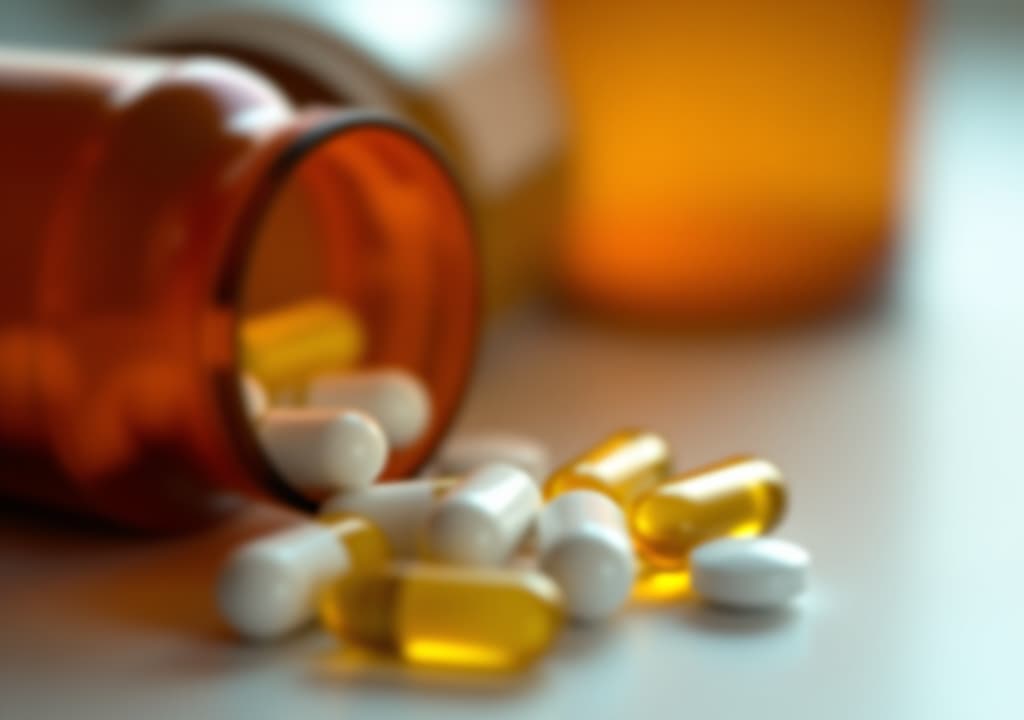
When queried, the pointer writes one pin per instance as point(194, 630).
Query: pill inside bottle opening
point(336, 307)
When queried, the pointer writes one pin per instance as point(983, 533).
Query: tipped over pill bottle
point(173, 224)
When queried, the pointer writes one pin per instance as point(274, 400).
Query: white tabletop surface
point(900, 430)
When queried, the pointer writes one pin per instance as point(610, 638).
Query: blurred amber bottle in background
point(735, 161)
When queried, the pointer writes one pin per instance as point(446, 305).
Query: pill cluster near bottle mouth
point(341, 436)
point(447, 569)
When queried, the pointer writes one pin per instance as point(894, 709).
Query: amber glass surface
point(735, 161)
point(143, 200)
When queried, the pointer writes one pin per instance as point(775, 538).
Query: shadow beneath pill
point(222, 654)
point(586, 639)
point(349, 666)
point(719, 620)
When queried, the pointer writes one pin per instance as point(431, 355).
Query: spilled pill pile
point(479, 564)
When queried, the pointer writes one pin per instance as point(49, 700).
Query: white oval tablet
point(396, 399)
point(484, 519)
point(465, 452)
point(322, 450)
point(585, 548)
point(749, 573)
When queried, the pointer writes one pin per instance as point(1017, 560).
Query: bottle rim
point(316, 128)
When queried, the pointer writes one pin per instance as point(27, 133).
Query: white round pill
point(585, 548)
point(749, 573)
point(484, 519)
point(464, 452)
point(268, 587)
point(322, 450)
point(396, 399)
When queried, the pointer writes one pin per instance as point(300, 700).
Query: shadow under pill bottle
point(172, 223)
point(475, 75)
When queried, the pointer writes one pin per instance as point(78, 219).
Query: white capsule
point(322, 450)
point(585, 548)
point(484, 519)
point(399, 509)
point(463, 453)
point(749, 573)
point(254, 396)
point(268, 587)
point(394, 398)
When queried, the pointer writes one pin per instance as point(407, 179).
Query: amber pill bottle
point(734, 163)
point(151, 208)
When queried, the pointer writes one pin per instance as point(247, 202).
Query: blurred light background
point(736, 162)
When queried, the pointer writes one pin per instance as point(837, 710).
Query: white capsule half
point(749, 573)
point(463, 453)
point(394, 398)
point(484, 519)
point(399, 509)
point(585, 548)
point(254, 396)
point(268, 587)
point(322, 450)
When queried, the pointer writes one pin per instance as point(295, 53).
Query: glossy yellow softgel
point(287, 348)
point(488, 619)
point(623, 466)
point(739, 497)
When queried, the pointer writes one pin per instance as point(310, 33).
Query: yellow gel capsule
point(488, 619)
point(286, 348)
point(623, 466)
point(366, 543)
point(738, 497)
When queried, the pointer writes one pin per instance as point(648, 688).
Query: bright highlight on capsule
point(623, 466)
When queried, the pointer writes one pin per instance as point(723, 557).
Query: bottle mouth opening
point(356, 252)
